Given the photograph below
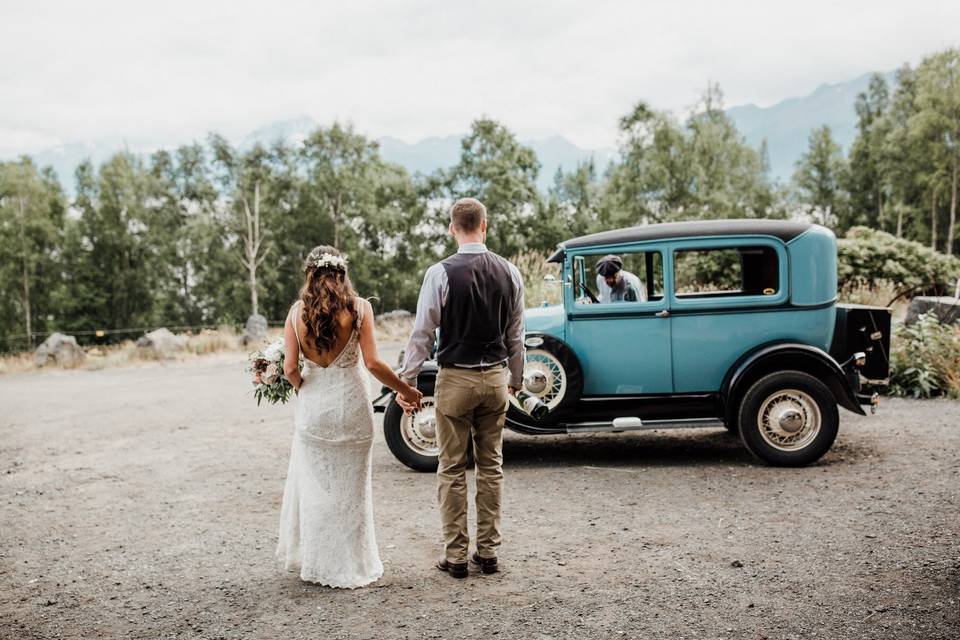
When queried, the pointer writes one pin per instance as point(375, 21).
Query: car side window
point(726, 271)
point(622, 277)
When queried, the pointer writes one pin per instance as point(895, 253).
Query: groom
point(475, 298)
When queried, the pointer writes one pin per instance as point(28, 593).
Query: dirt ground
point(143, 503)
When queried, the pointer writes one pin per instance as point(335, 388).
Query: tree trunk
point(933, 219)
point(900, 221)
point(253, 289)
point(953, 207)
point(254, 302)
point(335, 214)
point(881, 221)
point(252, 245)
point(26, 274)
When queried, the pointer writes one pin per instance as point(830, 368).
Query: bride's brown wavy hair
point(326, 293)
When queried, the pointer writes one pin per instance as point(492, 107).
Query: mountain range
point(785, 126)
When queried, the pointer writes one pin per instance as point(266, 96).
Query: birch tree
point(254, 250)
point(243, 177)
point(31, 218)
point(937, 120)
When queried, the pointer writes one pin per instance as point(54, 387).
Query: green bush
point(925, 359)
point(868, 257)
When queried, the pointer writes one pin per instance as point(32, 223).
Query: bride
point(326, 521)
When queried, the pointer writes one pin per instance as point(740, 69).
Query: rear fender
point(780, 357)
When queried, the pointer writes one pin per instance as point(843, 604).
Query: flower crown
point(329, 260)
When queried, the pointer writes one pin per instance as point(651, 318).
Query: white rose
point(274, 352)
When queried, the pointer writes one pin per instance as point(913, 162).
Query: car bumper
point(869, 399)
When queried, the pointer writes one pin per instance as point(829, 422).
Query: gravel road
point(143, 502)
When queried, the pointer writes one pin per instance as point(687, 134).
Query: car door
point(623, 347)
point(728, 295)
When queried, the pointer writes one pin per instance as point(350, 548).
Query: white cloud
point(16, 141)
point(174, 70)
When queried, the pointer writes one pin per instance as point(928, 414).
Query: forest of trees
point(206, 234)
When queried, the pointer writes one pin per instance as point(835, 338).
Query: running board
point(636, 424)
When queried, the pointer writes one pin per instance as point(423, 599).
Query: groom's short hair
point(467, 214)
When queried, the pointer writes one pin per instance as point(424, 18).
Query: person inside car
point(617, 285)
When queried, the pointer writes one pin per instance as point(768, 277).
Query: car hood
point(547, 320)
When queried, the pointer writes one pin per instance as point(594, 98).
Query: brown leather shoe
point(455, 570)
point(487, 565)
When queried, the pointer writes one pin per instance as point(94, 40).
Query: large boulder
point(946, 308)
point(162, 342)
point(255, 330)
point(59, 349)
point(396, 314)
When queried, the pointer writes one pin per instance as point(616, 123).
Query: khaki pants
point(470, 402)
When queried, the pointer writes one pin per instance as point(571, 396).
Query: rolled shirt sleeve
point(429, 307)
point(516, 353)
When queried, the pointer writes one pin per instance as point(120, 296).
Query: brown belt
point(483, 367)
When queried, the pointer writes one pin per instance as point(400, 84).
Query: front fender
point(782, 356)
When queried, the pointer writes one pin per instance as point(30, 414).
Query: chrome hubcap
point(789, 420)
point(544, 377)
point(535, 382)
point(419, 431)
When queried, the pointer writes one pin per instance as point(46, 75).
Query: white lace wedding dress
point(326, 522)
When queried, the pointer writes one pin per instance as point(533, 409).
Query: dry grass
point(16, 363)
point(394, 329)
point(128, 353)
point(535, 268)
point(207, 342)
point(883, 293)
point(948, 363)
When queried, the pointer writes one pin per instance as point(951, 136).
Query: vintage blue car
point(732, 323)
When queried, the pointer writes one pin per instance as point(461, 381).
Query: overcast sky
point(172, 70)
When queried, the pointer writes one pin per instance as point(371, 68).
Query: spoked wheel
point(552, 373)
point(544, 377)
point(788, 418)
point(419, 430)
point(413, 439)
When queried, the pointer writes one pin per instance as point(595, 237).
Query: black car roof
point(785, 230)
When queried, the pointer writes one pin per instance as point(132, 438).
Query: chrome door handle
point(662, 314)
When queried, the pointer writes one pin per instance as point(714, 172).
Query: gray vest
point(473, 322)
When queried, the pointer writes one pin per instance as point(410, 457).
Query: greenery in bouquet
point(269, 382)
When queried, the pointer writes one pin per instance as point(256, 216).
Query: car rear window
point(726, 271)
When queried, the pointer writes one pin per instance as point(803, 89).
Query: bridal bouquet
point(269, 382)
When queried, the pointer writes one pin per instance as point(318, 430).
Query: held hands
point(409, 399)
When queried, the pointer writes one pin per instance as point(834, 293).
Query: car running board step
point(636, 424)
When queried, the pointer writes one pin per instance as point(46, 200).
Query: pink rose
point(272, 374)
